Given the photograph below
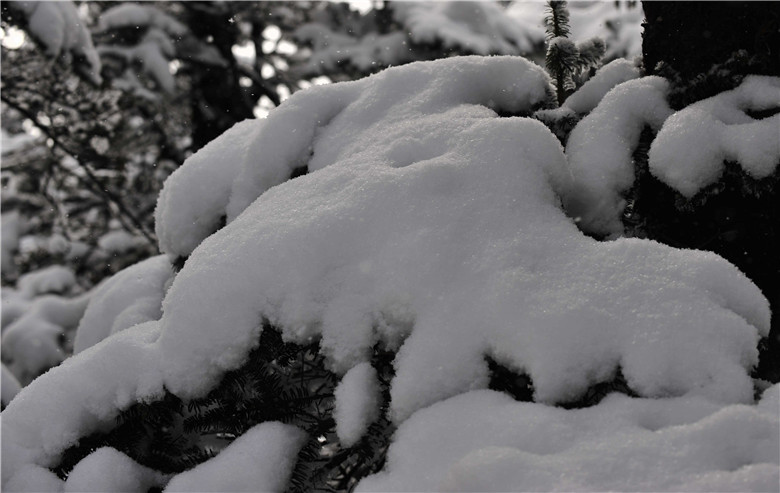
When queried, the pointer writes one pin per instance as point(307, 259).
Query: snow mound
point(253, 158)
point(690, 149)
point(429, 225)
point(485, 441)
point(600, 147)
point(106, 470)
point(261, 459)
point(131, 296)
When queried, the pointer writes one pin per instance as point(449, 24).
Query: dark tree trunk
point(691, 37)
point(681, 41)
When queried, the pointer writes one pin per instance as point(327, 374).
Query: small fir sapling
point(570, 65)
point(566, 61)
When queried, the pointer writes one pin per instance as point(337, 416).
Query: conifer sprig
point(565, 61)
point(556, 22)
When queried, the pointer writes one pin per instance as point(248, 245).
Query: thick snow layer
point(193, 200)
point(357, 403)
point(57, 26)
point(426, 223)
point(485, 441)
point(689, 151)
point(261, 459)
point(600, 148)
point(131, 296)
point(106, 470)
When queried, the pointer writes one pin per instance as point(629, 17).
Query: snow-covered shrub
point(58, 28)
point(39, 319)
point(567, 62)
point(404, 32)
point(428, 229)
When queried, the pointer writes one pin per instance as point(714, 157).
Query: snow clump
point(131, 296)
point(357, 403)
point(587, 97)
point(108, 470)
point(690, 149)
point(32, 343)
point(52, 279)
point(192, 205)
point(261, 459)
point(57, 26)
point(600, 147)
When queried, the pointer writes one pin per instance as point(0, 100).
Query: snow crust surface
point(485, 441)
point(690, 149)
point(261, 459)
point(426, 224)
